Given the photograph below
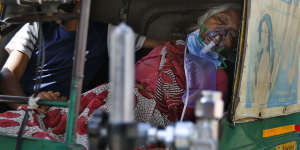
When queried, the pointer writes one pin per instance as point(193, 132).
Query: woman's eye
point(220, 20)
point(233, 34)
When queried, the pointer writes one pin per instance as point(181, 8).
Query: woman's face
point(227, 24)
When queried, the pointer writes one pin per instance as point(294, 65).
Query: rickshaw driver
point(19, 72)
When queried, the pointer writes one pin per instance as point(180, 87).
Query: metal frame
point(74, 101)
point(237, 78)
point(78, 70)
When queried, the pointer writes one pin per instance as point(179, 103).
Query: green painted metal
point(9, 142)
point(71, 115)
point(78, 70)
point(53, 103)
point(248, 136)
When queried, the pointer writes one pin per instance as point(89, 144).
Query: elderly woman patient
point(160, 79)
point(161, 76)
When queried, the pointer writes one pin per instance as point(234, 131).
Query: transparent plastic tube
point(122, 74)
point(208, 47)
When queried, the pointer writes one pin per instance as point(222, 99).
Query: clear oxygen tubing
point(187, 90)
point(205, 50)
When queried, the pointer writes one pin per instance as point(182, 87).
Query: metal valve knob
point(210, 106)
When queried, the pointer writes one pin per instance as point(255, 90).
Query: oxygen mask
point(207, 43)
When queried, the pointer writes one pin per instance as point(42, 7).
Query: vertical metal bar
point(241, 53)
point(78, 70)
point(122, 74)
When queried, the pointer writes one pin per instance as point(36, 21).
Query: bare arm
point(16, 64)
point(151, 43)
point(11, 74)
point(141, 41)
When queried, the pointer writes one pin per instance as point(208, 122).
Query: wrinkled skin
point(226, 24)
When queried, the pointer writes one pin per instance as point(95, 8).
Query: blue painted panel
point(284, 86)
point(292, 2)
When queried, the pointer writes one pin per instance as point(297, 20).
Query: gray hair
point(214, 10)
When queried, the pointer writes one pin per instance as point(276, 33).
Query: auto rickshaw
point(264, 109)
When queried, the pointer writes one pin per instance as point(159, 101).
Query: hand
point(50, 95)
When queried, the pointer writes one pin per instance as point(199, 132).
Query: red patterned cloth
point(161, 74)
point(160, 85)
point(52, 125)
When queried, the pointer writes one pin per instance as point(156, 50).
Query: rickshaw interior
point(172, 20)
point(168, 20)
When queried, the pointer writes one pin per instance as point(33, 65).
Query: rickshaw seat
point(155, 18)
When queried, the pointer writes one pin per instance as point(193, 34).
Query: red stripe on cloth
point(43, 135)
point(94, 104)
point(61, 127)
point(33, 122)
point(102, 95)
point(52, 118)
point(8, 123)
point(82, 128)
point(10, 115)
point(85, 100)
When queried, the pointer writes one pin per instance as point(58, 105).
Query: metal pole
point(122, 74)
point(24, 100)
point(78, 70)
point(122, 127)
